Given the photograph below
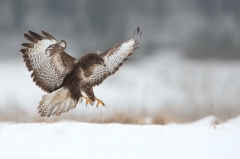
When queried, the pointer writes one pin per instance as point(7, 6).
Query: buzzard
point(66, 78)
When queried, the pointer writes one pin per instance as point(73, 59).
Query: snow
point(68, 139)
point(164, 86)
point(162, 89)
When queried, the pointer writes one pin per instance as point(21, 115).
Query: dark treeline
point(203, 28)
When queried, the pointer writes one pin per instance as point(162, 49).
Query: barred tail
point(57, 102)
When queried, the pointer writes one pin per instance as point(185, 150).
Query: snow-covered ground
point(201, 139)
point(159, 89)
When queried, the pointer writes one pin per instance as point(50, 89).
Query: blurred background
point(187, 66)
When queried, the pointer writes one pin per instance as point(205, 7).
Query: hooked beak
point(104, 64)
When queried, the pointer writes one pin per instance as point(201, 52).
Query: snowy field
point(158, 90)
point(165, 89)
point(198, 140)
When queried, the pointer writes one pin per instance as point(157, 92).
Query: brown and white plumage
point(65, 77)
point(47, 60)
point(114, 59)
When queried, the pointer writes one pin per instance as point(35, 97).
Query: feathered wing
point(114, 59)
point(47, 60)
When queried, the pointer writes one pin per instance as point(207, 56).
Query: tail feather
point(67, 105)
point(59, 110)
point(56, 103)
point(48, 111)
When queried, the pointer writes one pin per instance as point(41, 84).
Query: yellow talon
point(100, 102)
point(88, 100)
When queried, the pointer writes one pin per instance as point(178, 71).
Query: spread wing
point(114, 59)
point(47, 60)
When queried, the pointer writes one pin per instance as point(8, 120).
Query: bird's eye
point(99, 61)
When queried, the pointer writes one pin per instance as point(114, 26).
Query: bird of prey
point(66, 78)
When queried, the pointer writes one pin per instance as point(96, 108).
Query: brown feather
point(115, 57)
point(48, 35)
point(35, 35)
point(50, 73)
point(136, 48)
point(23, 51)
point(138, 30)
point(30, 38)
point(28, 45)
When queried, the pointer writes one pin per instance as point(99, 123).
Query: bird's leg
point(99, 102)
point(88, 100)
point(90, 94)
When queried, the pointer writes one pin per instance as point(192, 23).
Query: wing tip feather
point(35, 35)
point(50, 37)
point(138, 29)
point(28, 45)
point(136, 48)
point(23, 51)
point(30, 38)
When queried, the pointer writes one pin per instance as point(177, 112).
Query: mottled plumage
point(66, 78)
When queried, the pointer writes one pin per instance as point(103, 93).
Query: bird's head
point(97, 59)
